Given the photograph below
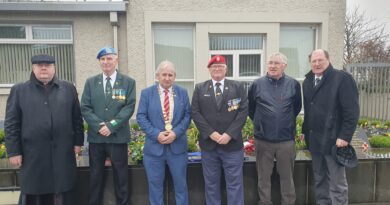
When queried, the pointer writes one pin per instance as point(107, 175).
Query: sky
point(374, 9)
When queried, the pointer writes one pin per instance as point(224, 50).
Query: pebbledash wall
point(93, 29)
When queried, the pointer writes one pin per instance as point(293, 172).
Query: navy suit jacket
point(150, 118)
point(208, 117)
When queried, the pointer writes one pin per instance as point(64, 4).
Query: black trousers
point(64, 198)
point(98, 152)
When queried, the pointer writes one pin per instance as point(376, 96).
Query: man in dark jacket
point(331, 115)
point(43, 131)
point(219, 110)
point(107, 104)
point(274, 103)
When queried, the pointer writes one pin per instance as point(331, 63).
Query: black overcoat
point(331, 109)
point(43, 125)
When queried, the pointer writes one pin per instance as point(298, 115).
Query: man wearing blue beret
point(107, 104)
point(43, 132)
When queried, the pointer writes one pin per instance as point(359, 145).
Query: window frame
point(29, 35)
point(173, 27)
point(315, 27)
point(236, 57)
point(29, 39)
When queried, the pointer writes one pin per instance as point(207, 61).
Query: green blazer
point(115, 111)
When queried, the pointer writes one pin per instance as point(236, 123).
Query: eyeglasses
point(214, 66)
point(274, 63)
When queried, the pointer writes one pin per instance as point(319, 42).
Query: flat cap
point(216, 59)
point(105, 51)
point(42, 58)
point(345, 156)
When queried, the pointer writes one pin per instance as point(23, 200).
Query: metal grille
point(373, 81)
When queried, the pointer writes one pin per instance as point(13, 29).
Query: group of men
point(44, 130)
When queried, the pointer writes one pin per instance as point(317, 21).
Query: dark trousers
point(330, 180)
point(64, 198)
point(231, 162)
point(284, 154)
point(119, 160)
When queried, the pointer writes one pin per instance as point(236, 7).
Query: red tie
point(166, 105)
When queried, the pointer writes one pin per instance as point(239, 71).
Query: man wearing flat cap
point(219, 110)
point(43, 132)
point(107, 104)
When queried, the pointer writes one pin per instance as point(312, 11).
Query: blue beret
point(105, 51)
point(42, 58)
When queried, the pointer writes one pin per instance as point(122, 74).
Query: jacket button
point(106, 108)
point(311, 103)
point(45, 103)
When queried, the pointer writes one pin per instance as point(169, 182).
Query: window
point(18, 43)
point(296, 42)
point(176, 44)
point(243, 53)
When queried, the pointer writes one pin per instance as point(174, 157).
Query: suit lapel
point(225, 93)
point(117, 85)
point(99, 86)
point(210, 91)
point(176, 103)
point(157, 101)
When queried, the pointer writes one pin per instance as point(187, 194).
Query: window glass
point(250, 65)
point(235, 42)
point(296, 42)
point(51, 32)
point(12, 32)
point(15, 58)
point(176, 44)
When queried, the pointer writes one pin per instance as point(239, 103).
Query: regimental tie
point(108, 87)
point(317, 81)
point(218, 93)
point(166, 105)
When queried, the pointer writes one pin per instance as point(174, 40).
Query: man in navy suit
point(164, 115)
point(219, 110)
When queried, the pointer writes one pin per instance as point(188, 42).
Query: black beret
point(42, 58)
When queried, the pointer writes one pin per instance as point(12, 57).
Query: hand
point(225, 138)
point(163, 137)
point(171, 137)
point(215, 136)
point(77, 150)
point(341, 143)
point(16, 161)
point(105, 131)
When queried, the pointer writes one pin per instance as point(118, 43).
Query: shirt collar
point(222, 82)
point(162, 89)
point(112, 77)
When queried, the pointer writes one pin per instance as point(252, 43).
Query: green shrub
point(135, 127)
point(376, 123)
point(379, 141)
point(85, 127)
point(136, 147)
point(2, 134)
point(387, 123)
point(192, 137)
point(363, 122)
point(3, 151)
point(247, 130)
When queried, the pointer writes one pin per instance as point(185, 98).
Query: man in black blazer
point(331, 115)
point(219, 110)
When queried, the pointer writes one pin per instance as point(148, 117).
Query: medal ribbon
point(166, 104)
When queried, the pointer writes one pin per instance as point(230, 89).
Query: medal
point(168, 127)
